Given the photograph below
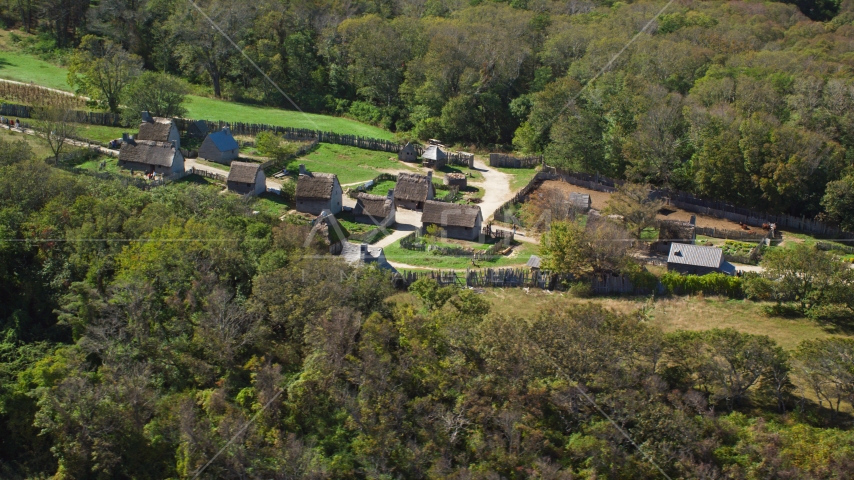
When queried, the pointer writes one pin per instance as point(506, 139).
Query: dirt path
point(496, 187)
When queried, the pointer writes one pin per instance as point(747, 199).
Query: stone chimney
point(390, 193)
point(226, 130)
point(146, 117)
point(693, 220)
point(430, 176)
point(125, 137)
point(363, 251)
point(302, 170)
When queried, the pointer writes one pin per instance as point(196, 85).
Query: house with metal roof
point(220, 147)
point(150, 157)
point(457, 221)
point(696, 260)
point(245, 177)
point(159, 129)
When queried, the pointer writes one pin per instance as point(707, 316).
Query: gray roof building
point(363, 254)
point(696, 260)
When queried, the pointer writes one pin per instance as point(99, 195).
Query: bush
point(580, 290)
point(365, 112)
point(710, 284)
point(288, 191)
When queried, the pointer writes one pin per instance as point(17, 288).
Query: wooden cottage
point(220, 147)
point(408, 153)
point(694, 259)
point(317, 192)
point(151, 157)
point(434, 157)
point(246, 178)
point(412, 190)
point(456, 180)
point(159, 129)
point(458, 221)
point(374, 209)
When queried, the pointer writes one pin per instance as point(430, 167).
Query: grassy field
point(521, 176)
point(37, 144)
point(395, 253)
point(218, 166)
point(26, 68)
point(352, 165)
point(271, 204)
point(111, 164)
point(382, 188)
point(215, 109)
point(101, 133)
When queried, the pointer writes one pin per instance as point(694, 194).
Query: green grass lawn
point(395, 253)
point(521, 176)
point(382, 188)
point(218, 166)
point(27, 68)
point(215, 109)
point(100, 133)
point(271, 204)
point(111, 164)
point(351, 164)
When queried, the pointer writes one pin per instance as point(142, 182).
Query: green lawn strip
point(396, 253)
point(346, 220)
point(521, 176)
point(100, 133)
point(271, 204)
point(351, 164)
point(215, 109)
point(110, 164)
point(218, 166)
point(382, 188)
point(25, 68)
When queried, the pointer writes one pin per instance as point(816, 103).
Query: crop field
point(351, 164)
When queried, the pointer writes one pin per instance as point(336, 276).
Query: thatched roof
point(316, 186)
point(450, 214)
point(376, 206)
point(147, 152)
point(412, 187)
point(157, 130)
point(243, 172)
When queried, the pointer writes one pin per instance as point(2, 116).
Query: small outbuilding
point(363, 254)
point(317, 192)
point(245, 177)
point(695, 260)
point(374, 209)
point(456, 180)
point(412, 190)
point(408, 153)
point(458, 221)
point(151, 157)
point(220, 147)
point(434, 157)
point(580, 201)
point(534, 263)
point(159, 129)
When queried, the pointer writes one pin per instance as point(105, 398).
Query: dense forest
point(745, 101)
point(178, 333)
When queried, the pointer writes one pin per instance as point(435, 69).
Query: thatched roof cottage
point(159, 129)
point(245, 177)
point(151, 157)
point(317, 192)
point(458, 221)
point(412, 190)
point(374, 209)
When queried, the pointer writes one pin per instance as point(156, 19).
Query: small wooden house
point(434, 157)
point(151, 157)
point(694, 259)
point(220, 147)
point(317, 192)
point(246, 178)
point(408, 153)
point(412, 190)
point(458, 221)
point(456, 180)
point(159, 129)
point(534, 263)
point(374, 209)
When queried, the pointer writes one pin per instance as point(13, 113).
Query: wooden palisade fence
point(509, 161)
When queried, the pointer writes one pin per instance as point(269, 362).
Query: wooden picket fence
point(214, 176)
point(509, 161)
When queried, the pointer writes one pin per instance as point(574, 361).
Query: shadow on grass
point(195, 179)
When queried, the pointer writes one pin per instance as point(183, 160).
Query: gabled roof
point(316, 185)
point(354, 254)
point(243, 172)
point(156, 130)
point(412, 187)
point(433, 152)
point(376, 206)
point(579, 199)
point(450, 214)
point(223, 141)
point(694, 255)
point(534, 262)
point(147, 152)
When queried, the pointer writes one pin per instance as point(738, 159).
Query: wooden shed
point(246, 178)
point(374, 209)
point(151, 157)
point(434, 157)
point(456, 180)
point(458, 221)
point(317, 192)
point(159, 129)
point(412, 190)
point(694, 259)
point(220, 147)
point(408, 153)
point(580, 201)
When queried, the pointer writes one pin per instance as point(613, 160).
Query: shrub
point(288, 191)
point(365, 112)
point(710, 284)
point(580, 290)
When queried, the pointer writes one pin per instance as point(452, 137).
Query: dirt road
point(496, 186)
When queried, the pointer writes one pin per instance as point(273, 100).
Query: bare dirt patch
point(669, 212)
